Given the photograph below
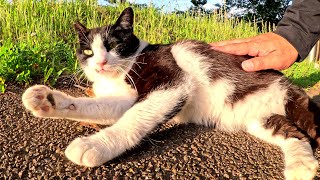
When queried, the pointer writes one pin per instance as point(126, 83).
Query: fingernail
point(216, 47)
point(247, 66)
point(212, 46)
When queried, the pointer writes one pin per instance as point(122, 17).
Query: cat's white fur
point(207, 104)
point(211, 98)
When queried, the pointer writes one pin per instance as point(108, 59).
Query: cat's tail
point(304, 113)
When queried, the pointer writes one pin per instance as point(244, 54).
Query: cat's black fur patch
point(51, 99)
point(283, 126)
point(302, 118)
point(304, 113)
point(155, 68)
point(176, 109)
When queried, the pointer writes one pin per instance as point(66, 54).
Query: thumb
point(257, 64)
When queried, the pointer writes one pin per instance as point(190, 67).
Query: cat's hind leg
point(304, 113)
point(47, 103)
point(135, 124)
point(300, 163)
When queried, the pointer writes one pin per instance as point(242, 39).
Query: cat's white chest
point(111, 87)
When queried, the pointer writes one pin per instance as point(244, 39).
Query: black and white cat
point(138, 86)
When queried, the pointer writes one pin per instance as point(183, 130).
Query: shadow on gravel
point(33, 148)
point(162, 140)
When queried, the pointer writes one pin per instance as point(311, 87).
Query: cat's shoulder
point(189, 44)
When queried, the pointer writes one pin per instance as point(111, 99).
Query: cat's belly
point(209, 105)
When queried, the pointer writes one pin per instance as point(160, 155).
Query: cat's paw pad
point(39, 100)
point(305, 169)
point(88, 151)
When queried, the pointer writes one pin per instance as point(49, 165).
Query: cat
point(139, 86)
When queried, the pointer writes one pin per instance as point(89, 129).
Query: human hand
point(269, 51)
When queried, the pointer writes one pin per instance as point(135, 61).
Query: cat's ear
point(80, 28)
point(125, 20)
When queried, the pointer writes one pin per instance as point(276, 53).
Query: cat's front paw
point(88, 151)
point(39, 100)
point(304, 169)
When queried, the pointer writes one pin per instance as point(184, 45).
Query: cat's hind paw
point(88, 151)
point(305, 169)
point(39, 100)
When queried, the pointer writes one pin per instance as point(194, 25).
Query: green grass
point(37, 40)
point(303, 74)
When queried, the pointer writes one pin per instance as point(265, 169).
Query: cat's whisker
point(83, 34)
point(129, 77)
point(85, 43)
point(131, 70)
point(133, 62)
point(78, 77)
point(133, 56)
point(108, 30)
point(151, 141)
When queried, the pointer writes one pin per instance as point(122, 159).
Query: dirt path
point(34, 148)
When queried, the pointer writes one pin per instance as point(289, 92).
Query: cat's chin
point(107, 74)
point(94, 75)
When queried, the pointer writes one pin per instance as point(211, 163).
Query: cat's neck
point(142, 45)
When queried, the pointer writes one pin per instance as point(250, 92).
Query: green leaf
point(2, 85)
point(47, 74)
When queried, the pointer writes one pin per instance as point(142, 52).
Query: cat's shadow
point(161, 141)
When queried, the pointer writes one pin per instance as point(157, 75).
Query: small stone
point(226, 176)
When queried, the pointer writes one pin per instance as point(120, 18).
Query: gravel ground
point(34, 148)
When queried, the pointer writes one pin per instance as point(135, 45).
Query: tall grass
point(36, 38)
point(38, 41)
point(47, 20)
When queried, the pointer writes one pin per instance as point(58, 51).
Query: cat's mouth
point(104, 70)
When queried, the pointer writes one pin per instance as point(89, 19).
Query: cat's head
point(107, 51)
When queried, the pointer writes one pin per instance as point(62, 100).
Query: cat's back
point(200, 60)
point(161, 65)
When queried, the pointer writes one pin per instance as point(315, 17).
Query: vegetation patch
point(37, 40)
point(304, 74)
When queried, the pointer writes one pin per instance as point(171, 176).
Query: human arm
point(300, 26)
point(280, 49)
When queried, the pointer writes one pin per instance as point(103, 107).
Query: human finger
point(237, 48)
point(227, 42)
point(264, 62)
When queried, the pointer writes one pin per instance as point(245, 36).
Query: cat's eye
point(113, 45)
point(88, 52)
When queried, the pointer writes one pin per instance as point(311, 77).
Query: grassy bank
point(37, 39)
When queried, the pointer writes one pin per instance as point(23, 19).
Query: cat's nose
point(102, 63)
